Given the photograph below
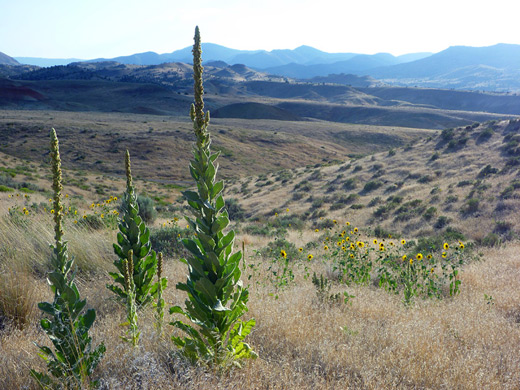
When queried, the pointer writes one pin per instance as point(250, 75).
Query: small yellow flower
point(75, 221)
point(411, 261)
point(179, 235)
point(461, 246)
point(317, 230)
point(325, 248)
point(102, 215)
point(50, 200)
point(164, 224)
point(432, 270)
point(52, 211)
point(360, 244)
point(444, 254)
point(300, 249)
point(356, 230)
point(339, 243)
point(446, 246)
point(334, 221)
point(66, 195)
point(351, 255)
point(276, 214)
point(310, 257)
point(403, 242)
point(404, 257)
point(75, 212)
point(343, 249)
point(287, 210)
point(347, 223)
point(115, 197)
point(283, 254)
point(419, 256)
point(375, 241)
point(347, 238)
point(84, 217)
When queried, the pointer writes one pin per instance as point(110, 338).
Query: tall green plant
point(66, 322)
point(134, 235)
point(216, 298)
point(131, 313)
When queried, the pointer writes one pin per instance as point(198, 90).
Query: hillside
point(6, 60)
point(460, 180)
point(164, 90)
point(492, 68)
point(160, 145)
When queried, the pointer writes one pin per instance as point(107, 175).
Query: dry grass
point(465, 342)
point(446, 183)
point(18, 296)
point(375, 343)
point(161, 146)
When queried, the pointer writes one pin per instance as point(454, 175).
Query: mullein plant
point(66, 321)
point(131, 312)
point(134, 235)
point(216, 298)
point(159, 305)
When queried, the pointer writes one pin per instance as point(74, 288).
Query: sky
point(87, 29)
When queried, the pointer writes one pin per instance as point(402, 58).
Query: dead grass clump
point(18, 297)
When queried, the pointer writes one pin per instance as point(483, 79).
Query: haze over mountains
point(309, 85)
point(492, 68)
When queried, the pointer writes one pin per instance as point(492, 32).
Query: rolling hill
point(6, 60)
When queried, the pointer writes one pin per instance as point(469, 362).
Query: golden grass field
point(468, 341)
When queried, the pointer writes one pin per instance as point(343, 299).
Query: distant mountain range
point(492, 68)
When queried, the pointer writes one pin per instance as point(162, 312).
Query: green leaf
point(219, 307)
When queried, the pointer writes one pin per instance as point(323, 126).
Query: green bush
point(147, 209)
point(235, 210)
point(372, 185)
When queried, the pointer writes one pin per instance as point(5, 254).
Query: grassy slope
point(431, 171)
point(466, 342)
point(161, 146)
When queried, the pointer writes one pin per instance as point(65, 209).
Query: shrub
point(372, 185)
point(430, 213)
point(235, 210)
point(146, 209)
point(472, 206)
point(492, 239)
point(350, 184)
point(375, 201)
point(485, 135)
point(447, 134)
point(442, 222)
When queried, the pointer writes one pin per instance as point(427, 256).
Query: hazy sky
point(108, 28)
